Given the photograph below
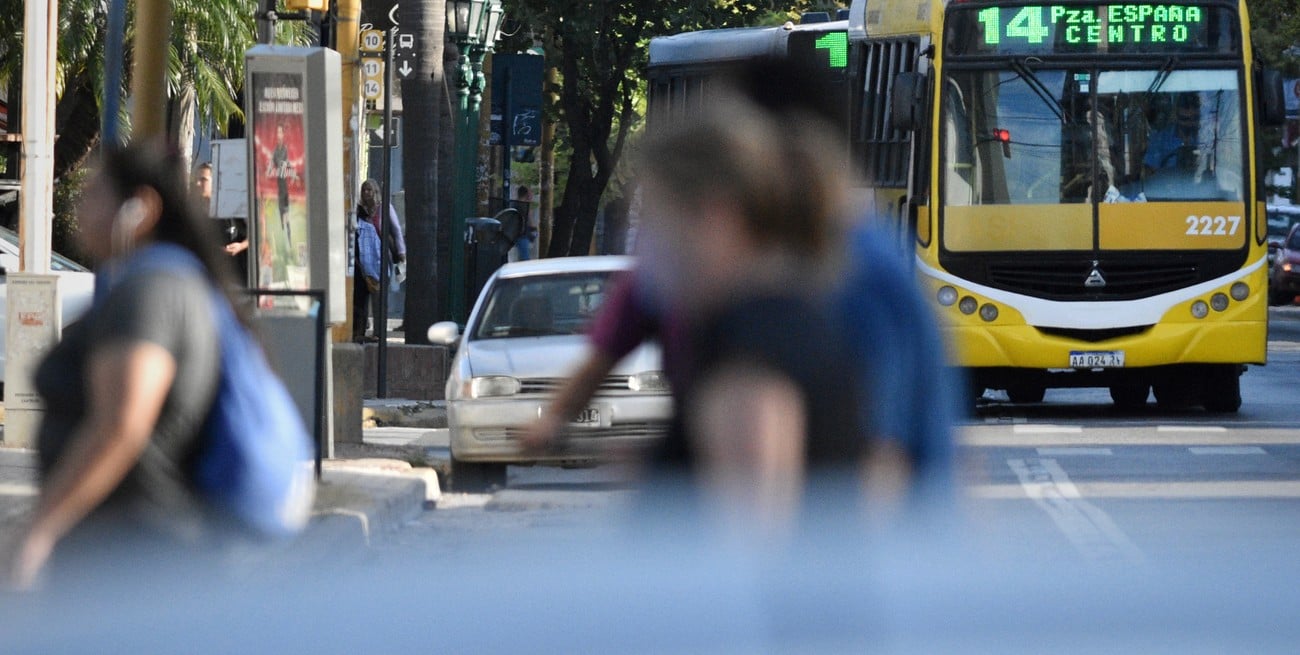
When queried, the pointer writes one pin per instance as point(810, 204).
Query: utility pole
point(33, 293)
point(153, 21)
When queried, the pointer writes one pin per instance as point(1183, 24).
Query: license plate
point(588, 417)
point(1097, 359)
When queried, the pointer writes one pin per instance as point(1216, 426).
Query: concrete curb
point(361, 499)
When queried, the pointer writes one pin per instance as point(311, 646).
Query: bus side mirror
point(906, 102)
point(1272, 99)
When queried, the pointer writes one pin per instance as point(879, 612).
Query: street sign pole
point(381, 313)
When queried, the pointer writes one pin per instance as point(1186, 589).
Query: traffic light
point(303, 5)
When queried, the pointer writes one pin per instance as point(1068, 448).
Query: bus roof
point(733, 44)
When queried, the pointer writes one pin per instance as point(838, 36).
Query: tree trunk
point(181, 112)
point(421, 103)
point(77, 124)
point(546, 213)
point(447, 180)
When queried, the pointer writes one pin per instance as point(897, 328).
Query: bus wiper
point(1162, 75)
point(1039, 89)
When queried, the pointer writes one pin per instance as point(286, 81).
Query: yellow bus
point(1081, 185)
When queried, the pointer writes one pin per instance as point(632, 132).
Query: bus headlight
point(1219, 302)
point(989, 313)
point(968, 305)
point(1239, 291)
point(493, 385)
point(947, 296)
point(1200, 309)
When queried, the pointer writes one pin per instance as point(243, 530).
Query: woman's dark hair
point(136, 166)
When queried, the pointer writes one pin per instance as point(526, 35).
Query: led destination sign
point(1120, 28)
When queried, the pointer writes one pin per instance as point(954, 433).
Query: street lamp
point(474, 26)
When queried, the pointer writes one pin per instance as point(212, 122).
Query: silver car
point(526, 334)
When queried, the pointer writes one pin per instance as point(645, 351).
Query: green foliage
point(67, 196)
point(208, 41)
point(1275, 28)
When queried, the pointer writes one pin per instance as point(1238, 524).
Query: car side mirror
point(444, 333)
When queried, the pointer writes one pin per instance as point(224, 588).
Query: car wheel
point(476, 477)
point(1026, 393)
point(1222, 392)
point(1130, 395)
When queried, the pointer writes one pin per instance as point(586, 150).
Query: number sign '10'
point(1083, 26)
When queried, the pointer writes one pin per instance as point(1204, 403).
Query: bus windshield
point(1084, 134)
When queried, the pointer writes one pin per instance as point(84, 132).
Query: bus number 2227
point(1205, 226)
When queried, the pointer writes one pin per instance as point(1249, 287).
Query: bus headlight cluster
point(968, 305)
point(1219, 302)
point(947, 296)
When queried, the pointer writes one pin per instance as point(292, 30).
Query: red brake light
point(1002, 135)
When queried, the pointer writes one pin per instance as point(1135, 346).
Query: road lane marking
point(1097, 437)
point(1227, 450)
point(1191, 428)
point(1228, 489)
point(1090, 530)
point(1047, 429)
point(1067, 452)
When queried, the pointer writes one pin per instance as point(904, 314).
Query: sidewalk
point(366, 491)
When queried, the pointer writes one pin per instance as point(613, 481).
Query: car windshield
point(1019, 135)
point(542, 305)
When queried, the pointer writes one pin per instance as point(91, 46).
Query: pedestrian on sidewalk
point(369, 209)
point(128, 389)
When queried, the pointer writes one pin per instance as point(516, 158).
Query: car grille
point(1065, 280)
point(540, 386)
point(647, 429)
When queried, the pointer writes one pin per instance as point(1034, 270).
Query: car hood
point(547, 357)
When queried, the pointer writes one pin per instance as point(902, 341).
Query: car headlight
point(650, 382)
point(493, 385)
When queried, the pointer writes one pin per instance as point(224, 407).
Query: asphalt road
point(1073, 478)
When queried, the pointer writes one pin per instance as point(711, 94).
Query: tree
point(206, 54)
point(422, 97)
point(601, 46)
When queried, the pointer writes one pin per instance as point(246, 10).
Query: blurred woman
point(129, 387)
point(369, 208)
point(740, 232)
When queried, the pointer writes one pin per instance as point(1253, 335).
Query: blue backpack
point(255, 466)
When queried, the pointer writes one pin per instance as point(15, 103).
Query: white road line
point(1066, 452)
point(1226, 450)
point(1091, 530)
point(1227, 489)
point(1047, 429)
point(1190, 428)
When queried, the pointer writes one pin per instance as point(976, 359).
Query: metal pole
point(464, 188)
point(114, 53)
point(381, 313)
point(153, 19)
point(507, 130)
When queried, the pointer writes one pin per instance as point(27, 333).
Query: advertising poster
point(280, 181)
